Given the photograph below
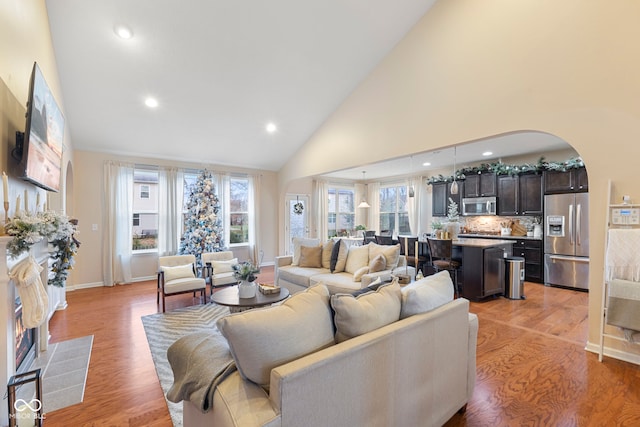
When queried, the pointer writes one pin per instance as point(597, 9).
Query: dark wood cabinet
point(571, 181)
point(480, 185)
point(520, 195)
point(440, 193)
point(531, 195)
point(508, 203)
point(531, 251)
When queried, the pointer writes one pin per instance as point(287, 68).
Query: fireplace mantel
point(57, 301)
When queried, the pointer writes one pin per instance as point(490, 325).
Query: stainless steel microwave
point(479, 206)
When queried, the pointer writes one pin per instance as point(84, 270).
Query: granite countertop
point(481, 243)
point(495, 236)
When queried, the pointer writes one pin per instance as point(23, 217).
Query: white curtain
point(117, 234)
point(224, 194)
point(373, 198)
point(414, 205)
point(362, 214)
point(170, 200)
point(255, 190)
point(321, 204)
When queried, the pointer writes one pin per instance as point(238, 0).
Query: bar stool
point(409, 247)
point(441, 252)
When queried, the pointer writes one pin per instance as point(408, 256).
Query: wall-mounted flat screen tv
point(43, 137)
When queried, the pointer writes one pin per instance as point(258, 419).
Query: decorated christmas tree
point(202, 227)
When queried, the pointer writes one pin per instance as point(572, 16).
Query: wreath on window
point(298, 208)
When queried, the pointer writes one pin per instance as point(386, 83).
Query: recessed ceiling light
point(271, 127)
point(487, 153)
point(123, 31)
point(151, 102)
point(426, 164)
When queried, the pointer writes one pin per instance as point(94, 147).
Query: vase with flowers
point(245, 274)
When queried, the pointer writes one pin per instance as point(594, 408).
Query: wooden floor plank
point(532, 368)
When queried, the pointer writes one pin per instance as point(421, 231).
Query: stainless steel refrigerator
point(566, 240)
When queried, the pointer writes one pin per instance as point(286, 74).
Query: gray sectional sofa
point(415, 368)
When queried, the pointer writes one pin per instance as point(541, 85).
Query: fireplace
point(25, 341)
point(14, 342)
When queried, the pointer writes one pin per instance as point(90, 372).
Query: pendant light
point(363, 203)
point(454, 184)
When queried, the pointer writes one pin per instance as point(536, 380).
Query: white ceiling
point(220, 70)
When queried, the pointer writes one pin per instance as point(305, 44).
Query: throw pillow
point(378, 263)
point(358, 257)
point(357, 276)
point(310, 256)
point(327, 250)
point(262, 339)
point(299, 241)
point(334, 255)
point(341, 261)
point(358, 315)
point(391, 253)
point(223, 266)
point(426, 294)
point(178, 272)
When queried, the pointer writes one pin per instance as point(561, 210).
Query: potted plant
point(245, 273)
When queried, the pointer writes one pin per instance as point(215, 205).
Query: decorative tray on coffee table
point(269, 289)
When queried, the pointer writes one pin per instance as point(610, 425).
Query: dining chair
point(368, 236)
point(384, 240)
point(441, 253)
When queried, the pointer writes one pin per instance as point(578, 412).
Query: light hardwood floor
point(532, 366)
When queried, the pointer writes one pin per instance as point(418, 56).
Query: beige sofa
point(291, 274)
point(416, 371)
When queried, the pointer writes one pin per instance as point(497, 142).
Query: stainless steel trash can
point(514, 277)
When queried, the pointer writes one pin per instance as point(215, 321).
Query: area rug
point(163, 329)
point(64, 369)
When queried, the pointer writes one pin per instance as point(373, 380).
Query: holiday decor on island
point(453, 215)
point(28, 229)
point(203, 228)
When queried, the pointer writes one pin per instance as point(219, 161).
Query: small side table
point(229, 297)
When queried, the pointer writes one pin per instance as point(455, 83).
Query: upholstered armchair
point(218, 268)
point(177, 275)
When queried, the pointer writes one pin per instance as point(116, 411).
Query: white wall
point(88, 196)
point(473, 69)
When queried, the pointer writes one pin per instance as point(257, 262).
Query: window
point(341, 211)
point(393, 210)
point(238, 210)
point(145, 210)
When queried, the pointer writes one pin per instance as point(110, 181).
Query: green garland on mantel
point(500, 168)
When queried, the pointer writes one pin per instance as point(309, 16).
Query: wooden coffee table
point(229, 297)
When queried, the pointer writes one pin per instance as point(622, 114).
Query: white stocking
point(35, 301)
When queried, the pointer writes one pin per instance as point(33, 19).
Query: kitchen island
point(482, 272)
point(483, 266)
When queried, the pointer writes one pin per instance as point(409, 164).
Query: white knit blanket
point(623, 307)
point(623, 255)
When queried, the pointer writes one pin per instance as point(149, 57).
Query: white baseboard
point(614, 353)
point(84, 286)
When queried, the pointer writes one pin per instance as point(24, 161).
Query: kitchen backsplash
point(491, 224)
